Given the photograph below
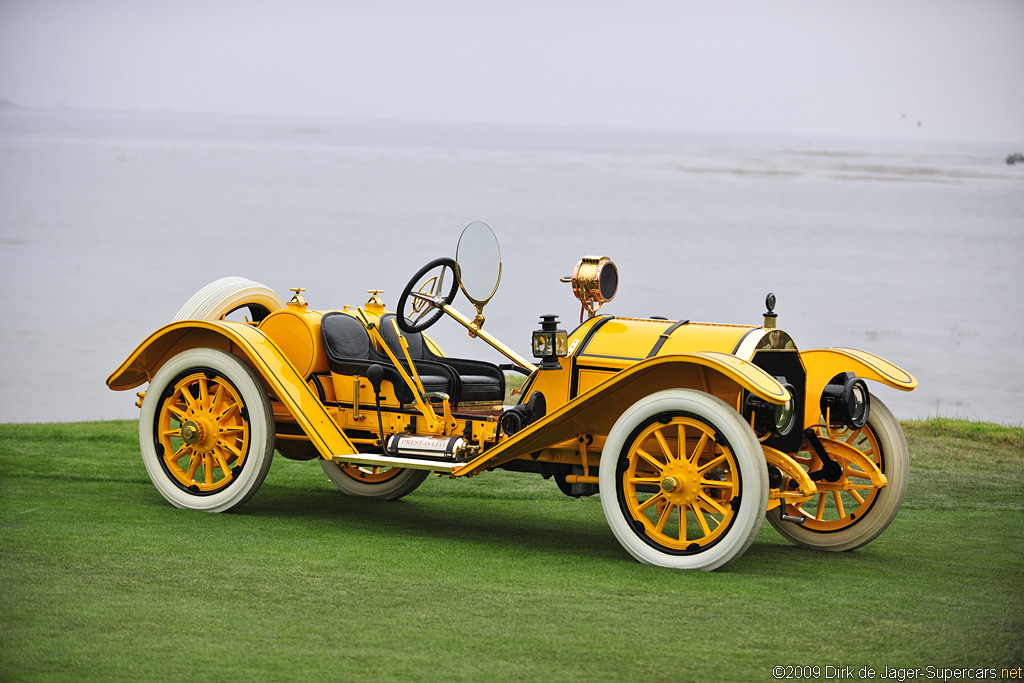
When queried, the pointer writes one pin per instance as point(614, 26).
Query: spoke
point(208, 468)
point(665, 514)
point(650, 458)
point(839, 504)
point(190, 402)
point(204, 393)
point(857, 497)
point(433, 284)
point(854, 435)
point(857, 474)
point(859, 487)
point(706, 466)
point(650, 501)
point(821, 507)
point(226, 445)
point(642, 480)
point(227, 411)
point(681, 440)
point(714, 505)
point(176, 455)
point(178, 413)
point(700, 519)
point(224, 467)
point(422, 315)
point(193, 465)
point(711, 484)
point(217, 398)
point(699, 448)
point(669, 455)
point(172, 432)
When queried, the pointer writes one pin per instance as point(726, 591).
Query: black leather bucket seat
point(349, 352)
point(478, 380)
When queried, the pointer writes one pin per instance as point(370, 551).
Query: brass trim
point(495, 344)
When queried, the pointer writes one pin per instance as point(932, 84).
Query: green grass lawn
point(498, 577)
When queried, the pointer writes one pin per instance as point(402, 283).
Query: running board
point(398, 461)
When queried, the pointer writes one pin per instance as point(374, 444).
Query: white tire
point(206, 431)
point(366, 481)
point(219, 298)
point(699, 507)
point(864, 520)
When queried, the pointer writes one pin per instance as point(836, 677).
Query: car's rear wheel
point(222, 297)
point(206, 431)
point(851, 512)
point(683, 481)
point(368, 481)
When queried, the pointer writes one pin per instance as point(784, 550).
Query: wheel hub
point(680, 483)
point(194, 433)
point(191, 432)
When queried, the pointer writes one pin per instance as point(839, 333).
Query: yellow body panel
point(824, 364)
point(707, 337)
point(626, 338)
point(296, 332)
point(595, 411)
point(633, 339)
point(259, 352)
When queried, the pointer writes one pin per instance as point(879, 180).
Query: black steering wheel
point(415, 313)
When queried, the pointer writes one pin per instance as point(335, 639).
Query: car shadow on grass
point(557, 526)
point(516, 524)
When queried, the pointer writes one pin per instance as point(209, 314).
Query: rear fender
point(255, 349)
point(595, 411)
point(824, 364)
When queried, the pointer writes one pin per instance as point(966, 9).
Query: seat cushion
point(481, 388)
point(344, 337)
point(413, 339)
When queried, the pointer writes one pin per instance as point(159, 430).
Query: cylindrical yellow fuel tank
point(296, 331)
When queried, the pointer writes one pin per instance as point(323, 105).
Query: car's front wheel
point(852, 512)
point(206, 431)
point(683, 481)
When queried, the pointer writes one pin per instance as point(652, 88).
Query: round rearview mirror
point(479, 259)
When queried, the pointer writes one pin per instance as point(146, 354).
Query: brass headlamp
point(594, 281)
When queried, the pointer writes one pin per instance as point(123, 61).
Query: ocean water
point(109, 222)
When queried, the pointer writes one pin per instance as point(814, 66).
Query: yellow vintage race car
point(692, 433)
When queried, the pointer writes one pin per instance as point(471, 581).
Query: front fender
point(595, 411)
point(258, 351)
point(824, 364)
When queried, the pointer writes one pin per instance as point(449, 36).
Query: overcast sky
point(866, 68)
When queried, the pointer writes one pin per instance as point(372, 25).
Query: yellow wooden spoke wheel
point(203, 432)
point(368, 481)
point(678, 483)
point(850, 512)
point(683, 482)
point(206, 431)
